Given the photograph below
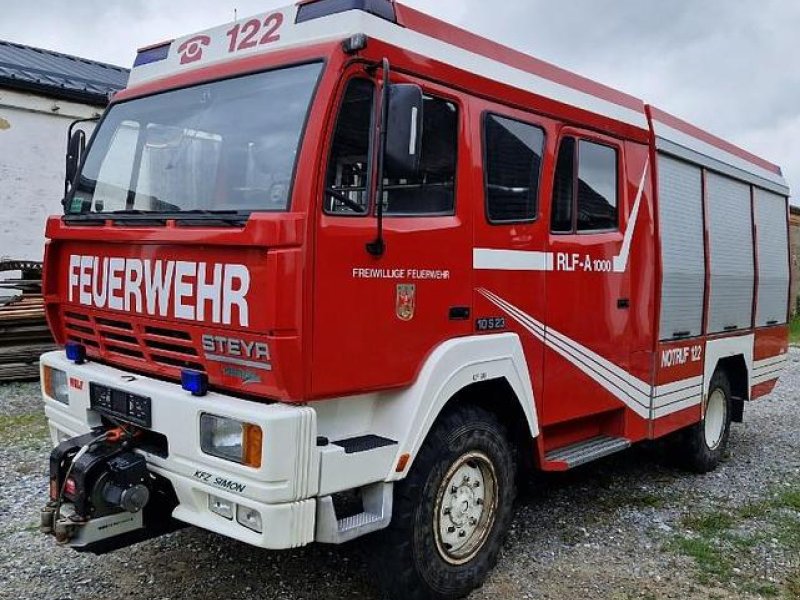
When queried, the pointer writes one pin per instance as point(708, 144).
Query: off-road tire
point(695, 452)
point(409, 559)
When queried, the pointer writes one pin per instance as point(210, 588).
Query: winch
point(102, 494)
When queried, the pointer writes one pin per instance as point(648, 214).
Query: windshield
point(224, 146)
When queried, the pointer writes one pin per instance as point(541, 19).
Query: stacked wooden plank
point(24, 335)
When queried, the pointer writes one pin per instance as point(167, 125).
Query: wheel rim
point(466, 507)
point(715, 419)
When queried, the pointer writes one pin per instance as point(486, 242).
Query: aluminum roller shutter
point(773, 258)
point(730, 234)
point(680, 210)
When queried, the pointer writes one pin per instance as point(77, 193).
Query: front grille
point(121, 340)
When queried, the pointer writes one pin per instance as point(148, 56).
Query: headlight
point(56, 385)
point(230, 439)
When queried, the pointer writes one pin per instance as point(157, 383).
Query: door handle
point(459, 313)
point(624, 303)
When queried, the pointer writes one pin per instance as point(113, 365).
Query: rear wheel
point(703, 446)
point(452, 512)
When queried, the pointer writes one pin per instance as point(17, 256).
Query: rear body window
point(513, 160)
point(597, 187)
point(563, 188)
point(585, 188)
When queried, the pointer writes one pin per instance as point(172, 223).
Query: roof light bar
point(152, 54)
point(316, 9)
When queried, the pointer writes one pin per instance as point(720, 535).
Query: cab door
point(510, 233)
point(588, 286)
point(377, 319)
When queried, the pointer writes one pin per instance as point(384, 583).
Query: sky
point(728, 66)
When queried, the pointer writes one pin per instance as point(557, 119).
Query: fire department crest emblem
point(406, 302)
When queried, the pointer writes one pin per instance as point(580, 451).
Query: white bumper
point(283, 490)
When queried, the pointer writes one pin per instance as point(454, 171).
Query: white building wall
point(33, 139)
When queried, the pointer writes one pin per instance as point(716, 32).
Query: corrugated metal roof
point(59, 75)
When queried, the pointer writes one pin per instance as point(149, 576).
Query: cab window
point(513, 159)
point(432, 191)
point(348, 168)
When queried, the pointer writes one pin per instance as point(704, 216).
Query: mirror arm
point(377, 247)
point(70, 133)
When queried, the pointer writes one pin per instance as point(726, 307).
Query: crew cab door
point(588, 286)
point(510, 233)
point(377, 319)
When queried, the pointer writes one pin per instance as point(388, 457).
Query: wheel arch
point(490, 371)
point(734, 357)
point(736, 372)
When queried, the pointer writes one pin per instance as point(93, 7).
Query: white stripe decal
point(621, 261)
point(486, 259)
point(670, 388)
point(768, 362)
point(695, 393)
point(675, 136)
point(511, 260)
point(677, 407)
point(618, 382)
point(631, 391)
point(342, 25)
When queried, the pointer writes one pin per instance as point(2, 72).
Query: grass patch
point(710, 524)
point(793, 586)
point(750, 548)
point(794, 331)
point(763, 590)
point(711, 561)
point(29, 430)
point(754, 510)
point(789, 499)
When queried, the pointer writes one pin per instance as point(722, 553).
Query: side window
point(589, 201)
point(348, 168)
point(513, 162)
point(433, 190)
point(563, 188)
point(597, 187)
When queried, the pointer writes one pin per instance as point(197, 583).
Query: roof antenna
point(235, 14)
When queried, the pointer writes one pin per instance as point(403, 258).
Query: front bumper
point(283, 490)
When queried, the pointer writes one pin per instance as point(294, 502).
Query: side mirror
point(404, 122)
point(75, 151)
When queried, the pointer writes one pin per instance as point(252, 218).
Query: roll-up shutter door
point(773, 258)
point(680, 209)
point(730, 232)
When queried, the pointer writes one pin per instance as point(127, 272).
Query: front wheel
point(452, 512)
point(703, 446)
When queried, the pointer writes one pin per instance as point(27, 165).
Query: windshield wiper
point(351, 204)
point(132, 211)
point(215, 213)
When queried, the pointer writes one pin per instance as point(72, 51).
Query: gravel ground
point(632, 526)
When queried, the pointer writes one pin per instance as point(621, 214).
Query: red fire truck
point(344, 269)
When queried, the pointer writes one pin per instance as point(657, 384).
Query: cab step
point(377, 500)
point(575, 455)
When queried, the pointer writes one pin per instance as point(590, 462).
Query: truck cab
point(341, 268)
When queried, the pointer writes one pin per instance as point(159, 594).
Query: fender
point(716, 350)
point(407, 416)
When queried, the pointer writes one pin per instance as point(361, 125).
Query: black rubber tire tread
point(695, 455)
point(408, 564)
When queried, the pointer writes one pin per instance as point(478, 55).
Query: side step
point(377, 500)
point(569, 457)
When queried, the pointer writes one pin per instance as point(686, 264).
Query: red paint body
point(332, 335)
